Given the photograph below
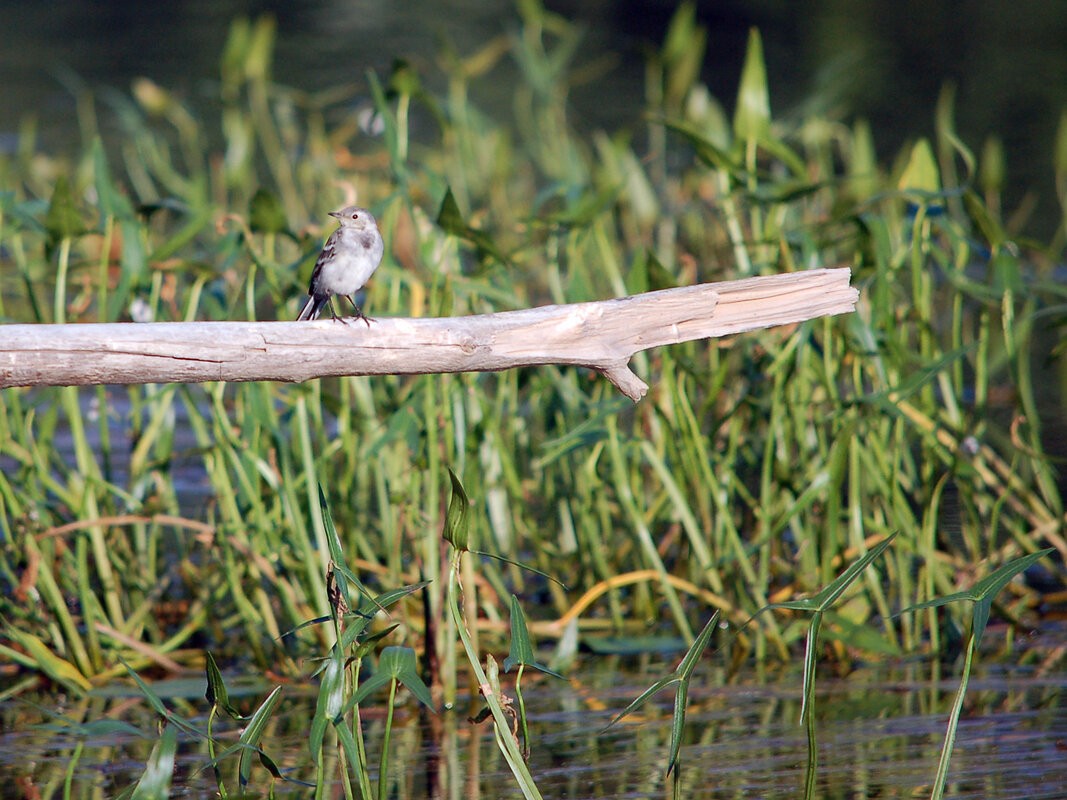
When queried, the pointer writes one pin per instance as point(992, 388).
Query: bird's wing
point(328, 251)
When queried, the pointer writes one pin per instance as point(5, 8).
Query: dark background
point(885, 60)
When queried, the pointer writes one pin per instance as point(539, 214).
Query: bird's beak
point(334, 214)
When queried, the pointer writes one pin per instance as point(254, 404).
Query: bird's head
point(354, 217)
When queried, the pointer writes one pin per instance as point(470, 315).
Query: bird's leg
point(359, 312)
point(329, 302)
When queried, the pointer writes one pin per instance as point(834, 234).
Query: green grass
point(753, 473)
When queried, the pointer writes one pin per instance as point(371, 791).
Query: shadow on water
point(880, 733)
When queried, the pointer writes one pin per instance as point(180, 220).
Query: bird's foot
point(333, 314)
point(359, 315)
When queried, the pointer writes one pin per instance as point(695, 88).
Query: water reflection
point(880, 733)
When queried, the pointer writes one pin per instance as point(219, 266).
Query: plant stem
point(953, 723)
point(508, 746)
point(383, 763)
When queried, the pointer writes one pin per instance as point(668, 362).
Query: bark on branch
point(600, 335)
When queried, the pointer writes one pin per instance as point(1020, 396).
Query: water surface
point(880, 731)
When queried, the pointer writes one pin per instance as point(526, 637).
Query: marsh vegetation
point(836, 494)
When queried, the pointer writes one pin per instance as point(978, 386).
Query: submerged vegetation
point(146, 526)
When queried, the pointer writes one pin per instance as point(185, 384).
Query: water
point(879, 735)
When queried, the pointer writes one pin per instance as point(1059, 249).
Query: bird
point(346, 262)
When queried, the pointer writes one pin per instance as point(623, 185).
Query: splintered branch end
point(623, 378)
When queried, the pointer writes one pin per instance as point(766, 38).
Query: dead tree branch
point(600, 335)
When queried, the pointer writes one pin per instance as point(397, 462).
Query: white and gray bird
point(346, 262)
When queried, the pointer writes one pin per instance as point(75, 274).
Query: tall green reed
point(753, 469)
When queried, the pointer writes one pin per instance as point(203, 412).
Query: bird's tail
point(313, 307)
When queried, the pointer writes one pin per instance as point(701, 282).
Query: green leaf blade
point(457, 517)
point(752, 120)
point(254, 731)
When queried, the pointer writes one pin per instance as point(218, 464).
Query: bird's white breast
point(353, 262)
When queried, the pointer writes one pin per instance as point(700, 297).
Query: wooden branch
point(600, 335)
